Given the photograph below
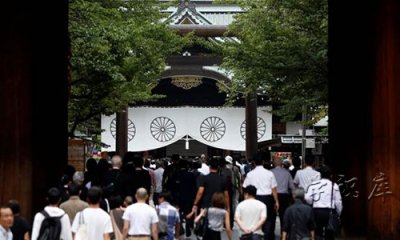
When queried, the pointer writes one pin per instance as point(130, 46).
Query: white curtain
point(155, 127)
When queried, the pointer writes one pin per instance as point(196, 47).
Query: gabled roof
point(202, 12)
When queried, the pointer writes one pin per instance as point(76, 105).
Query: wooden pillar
point(382, 174)
point(16, 114)
point(251, 125)
point(364, 117)
point(33, 102)
point(122, 132)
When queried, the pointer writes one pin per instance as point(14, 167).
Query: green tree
point(118, 51)
point(282, 52)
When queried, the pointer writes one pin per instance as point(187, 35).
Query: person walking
point(299, 220)
point(140, 220)
point(324, 196)
point(265, 182)
point(250, 215)
point(97, 221)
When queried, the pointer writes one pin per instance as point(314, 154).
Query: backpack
point(50, 229)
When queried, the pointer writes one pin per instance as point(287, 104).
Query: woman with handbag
point(325, 198)
point(215, 218)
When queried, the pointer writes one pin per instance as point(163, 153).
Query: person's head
point(296, 161)
point(78, 178)
point(228, 159)
point(259, 160)
point(91, 164)
point(53, 196)
point(94, 195)
point(218, 200)
point(141, 195)
point(250, 191)
point(164, 197)
point(278, 162)
point(74, 189)
point(127, 201)
point(203, 158)
point(138, 161)
point(214, 163)
point(104, 155)
point(6, 217)
point(325, 172)
point(116, 202)
point(15, 207)
point(309, 160)
point(298, 193)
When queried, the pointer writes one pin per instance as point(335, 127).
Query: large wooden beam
point(201, 30)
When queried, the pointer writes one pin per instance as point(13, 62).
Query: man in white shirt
point(158, 175)
point(97, 221)
point(306, 176)
point(140, 220)
point(54, 198)
point(265, 183)
point(250, 214)
point(6, 221)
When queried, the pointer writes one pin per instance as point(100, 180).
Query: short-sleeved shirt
point(261, 178)
point(212, 183)
point(305, 177)
point(216, 218)
point(98, 222)
point(140, 217)
point(169, 217)
point(250, 211)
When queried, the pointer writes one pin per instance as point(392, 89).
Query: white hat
point(228, 159)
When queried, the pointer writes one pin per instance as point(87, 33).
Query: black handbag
point(334, 220)
point(200, 228)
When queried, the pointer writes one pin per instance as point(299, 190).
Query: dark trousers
point(212, 235)
point(321, 216)
point(269, 226)
point(284, 202)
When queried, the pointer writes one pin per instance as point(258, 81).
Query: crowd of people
point(140, 199)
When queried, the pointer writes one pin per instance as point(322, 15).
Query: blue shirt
point(168, 218)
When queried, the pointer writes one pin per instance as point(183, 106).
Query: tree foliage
point(282, 52)
point(118, 50)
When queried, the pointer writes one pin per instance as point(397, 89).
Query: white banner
point(155, 127)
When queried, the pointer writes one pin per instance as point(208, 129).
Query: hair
point(94, 195)
point(251, 190)
point(53, 196)
point(298, 193)
point(91, 164)
point(128, 201)
point(73, 189)
point(218, 200)
point(14, 205)
point(309, 160)
point(141, 194)
point(138, 161)
point(296, 161)
point(5, 207)
point(166, 196)
point(78, 178)
point(116, 201)
point(214, 162)
point(278, 161)
point(116, 160)
point(325, 172)
point(258, 160)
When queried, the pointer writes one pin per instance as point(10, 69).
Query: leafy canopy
point(118, 51)
point(282, 52)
